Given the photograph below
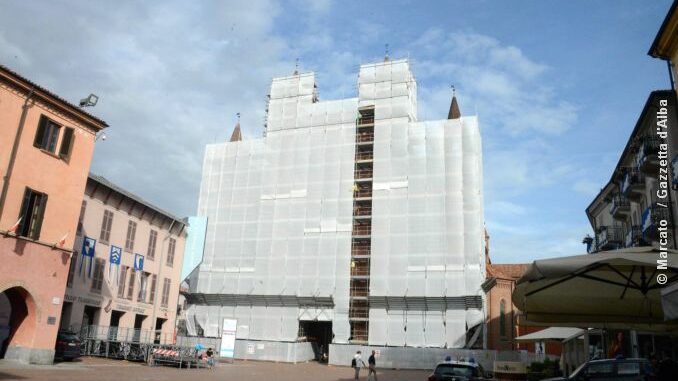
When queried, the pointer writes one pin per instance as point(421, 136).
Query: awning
point(614, 289)
point(550, 334)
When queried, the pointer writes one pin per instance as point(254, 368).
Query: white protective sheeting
point(280, 214)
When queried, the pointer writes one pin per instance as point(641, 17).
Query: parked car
point(67, 346)
point(611, 369)
point(457, 371)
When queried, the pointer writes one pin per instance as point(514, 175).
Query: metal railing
point(610, 237)
point(362, 230)
point(619, 204)
point(361, 193)
point(363, 210)
point(365, 120)
point(364, 137)
point(360, 270)
point(634, 237)
point(364, 251)
point(363, 173)
point(634, 180)
point(131, 335)
point(364, 155)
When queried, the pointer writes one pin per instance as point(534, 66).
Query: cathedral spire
point(454, 112)
point(236, 136)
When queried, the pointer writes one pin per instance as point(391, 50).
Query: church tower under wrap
point(350, 223)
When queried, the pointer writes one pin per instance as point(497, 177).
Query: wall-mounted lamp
point(90, 101)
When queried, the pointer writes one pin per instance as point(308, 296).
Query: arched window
point(502, 318)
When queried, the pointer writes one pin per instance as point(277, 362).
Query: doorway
point(65, 322)
point(115, 323)
point(90, 315)
point(17, 318)
point(159, 323)
point(138, 323)
point(319, 334)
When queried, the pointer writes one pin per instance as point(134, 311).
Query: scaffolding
point(359, 307)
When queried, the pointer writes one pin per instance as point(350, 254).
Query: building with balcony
point(665, 45)
point(125, 274)
point(46, 145)
point(641, 195)
point(350, 223)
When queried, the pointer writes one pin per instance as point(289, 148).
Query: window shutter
point(40, 135)
point(66, 143)
point(39, 214)
point(24, 214)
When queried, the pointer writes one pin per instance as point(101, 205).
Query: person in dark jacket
point(372, 363)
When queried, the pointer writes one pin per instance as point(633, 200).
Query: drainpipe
point(15, 148)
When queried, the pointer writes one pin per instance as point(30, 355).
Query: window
point(143, 280)
point(71, 269)
point(600, 370)
point(32, 213)
point(121, 281)
point(130, 286)
point(83, 207)
point(151, 295)
point(98, 278)
point(66, 144)
point(152, 240)
point(170, 251)
point(502, 318)
point(47, 136)
point(131, 232)
point(106, 227)
point(165, 292)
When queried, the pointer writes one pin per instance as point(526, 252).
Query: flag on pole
point(15, 227)
point(114, 259)
point(62, 241)
point(88, 245)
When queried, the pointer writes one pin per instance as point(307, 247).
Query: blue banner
point(114, 259)
point(116, 255)
point(88, 249)
point(138, 262)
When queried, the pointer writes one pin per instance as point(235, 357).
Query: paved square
point(98, 369)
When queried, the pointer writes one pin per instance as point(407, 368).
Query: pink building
point(46, 146)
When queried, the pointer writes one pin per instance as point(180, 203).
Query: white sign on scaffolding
point(227, 349)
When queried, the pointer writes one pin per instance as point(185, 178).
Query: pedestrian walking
point(357, 363)
point(210, 358)
point(372, 362)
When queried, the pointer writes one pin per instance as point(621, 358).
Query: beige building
point(637, 207)
point(665, 45)
point(137, 298)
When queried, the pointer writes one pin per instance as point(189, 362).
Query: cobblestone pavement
point(97, 369)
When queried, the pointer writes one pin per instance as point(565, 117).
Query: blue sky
point(557, 86)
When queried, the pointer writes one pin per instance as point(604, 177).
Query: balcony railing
point(633, 184)
point(620, 207)
point(364, 137)
point(647, 160)
point(610, 238)
point(634, 237)
point(653, 218)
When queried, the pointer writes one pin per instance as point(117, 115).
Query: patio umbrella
point(550, 334)
point(614, 289)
